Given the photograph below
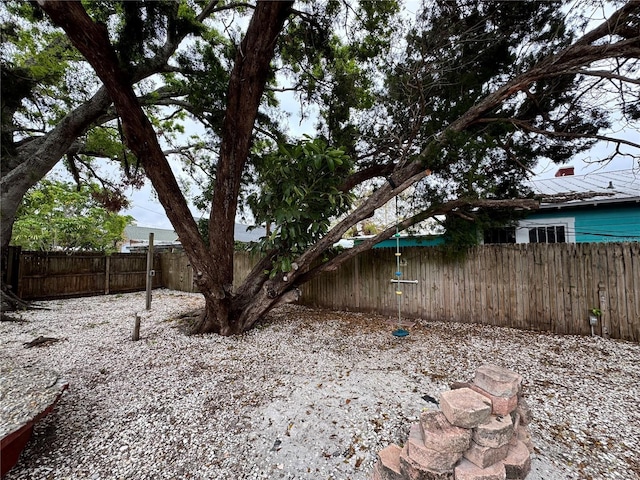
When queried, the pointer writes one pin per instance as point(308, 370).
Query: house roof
point(619, 186)
point(164, 235)
point(134, 232)
point(242, 234)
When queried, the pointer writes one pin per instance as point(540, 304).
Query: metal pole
point(398, 271)
point(150, 272)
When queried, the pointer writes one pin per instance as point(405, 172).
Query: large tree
point(55, 109)
point(60, 216)
point(484, 90)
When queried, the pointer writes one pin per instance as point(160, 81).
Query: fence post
point(356, 280)
point(135, 336)
point(604, 317)
point(150, 271)
point(11, 255)
point(107, 267)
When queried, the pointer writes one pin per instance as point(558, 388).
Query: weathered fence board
point(177, 272)
point(535, 287)
point(48, 275)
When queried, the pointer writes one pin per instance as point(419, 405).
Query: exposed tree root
point(8, 318)
point(36, 342)
point(10, 302)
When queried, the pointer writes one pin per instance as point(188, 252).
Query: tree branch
point(610, 75)
point(451, 206)
point(357, 178)
point(548, 133)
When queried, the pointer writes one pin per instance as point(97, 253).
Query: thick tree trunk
point(213, 266)
point(246, 87)
point(237, 314)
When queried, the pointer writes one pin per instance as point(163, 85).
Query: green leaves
point(57, 216)
point(299, 194)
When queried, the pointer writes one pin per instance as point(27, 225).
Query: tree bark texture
point(246, 87)
point(32, 159)
point(213, 272)
point(227, 312)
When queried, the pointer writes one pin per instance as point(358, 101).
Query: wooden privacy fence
point(48, 275)
point(177, 273)
point(549, 287)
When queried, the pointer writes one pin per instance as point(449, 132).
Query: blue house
point(597, 207)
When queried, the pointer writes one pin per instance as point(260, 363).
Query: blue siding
point(417, 241)
point(600, 223)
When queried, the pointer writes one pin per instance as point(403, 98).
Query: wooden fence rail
point(548, 287)
point(533, 287)
point(48, 275)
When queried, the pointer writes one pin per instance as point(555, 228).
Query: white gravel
point(306, 395)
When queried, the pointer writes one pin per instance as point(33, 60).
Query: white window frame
point(569, 224)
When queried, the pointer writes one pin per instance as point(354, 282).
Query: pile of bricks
point(479, 433)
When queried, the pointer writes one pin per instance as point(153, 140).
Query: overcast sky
point(147, 211)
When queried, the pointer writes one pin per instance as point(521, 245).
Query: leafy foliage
point(465, 101)
point(238, 246)
point(58, 216)
point(456, 56)
point(463, 229)
point(299, 194)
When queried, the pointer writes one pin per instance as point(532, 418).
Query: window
point(551, 234)
point(500, 235)
point(546, 230)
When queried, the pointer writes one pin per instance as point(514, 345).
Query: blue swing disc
point(400, 332)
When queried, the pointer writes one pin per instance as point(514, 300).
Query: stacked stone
point(479, 433)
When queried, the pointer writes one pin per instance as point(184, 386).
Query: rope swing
point(397, 280)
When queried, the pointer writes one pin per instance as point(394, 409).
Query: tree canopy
point(453, 111)
point(58, 216)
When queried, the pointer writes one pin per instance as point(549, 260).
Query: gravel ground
point(308, 394)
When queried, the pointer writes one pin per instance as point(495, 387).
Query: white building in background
point(137, 237)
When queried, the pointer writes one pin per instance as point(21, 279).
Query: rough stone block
point(376, 475)
point(465, 408)
point(517, 464)
point(412, 470)
point(466, 470)
point(498, 381)
point(438, 434)
point(496, 432)
point(525, 412)
point(523, 434)
point(486, 456)
point(388, 466)
point(458, 385)
point(499, 405)
point(428, 458)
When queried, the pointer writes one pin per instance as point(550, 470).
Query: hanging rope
point(398, 272)
point(399, 332)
